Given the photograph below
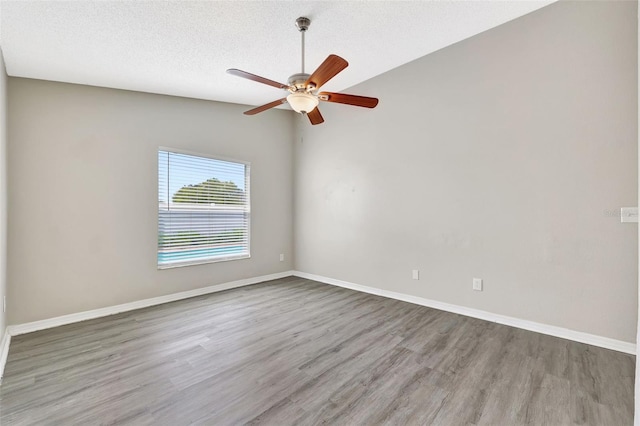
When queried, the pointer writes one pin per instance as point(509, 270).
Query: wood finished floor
point(294, 351)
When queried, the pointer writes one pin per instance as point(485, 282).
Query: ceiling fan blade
point(315, 117)
point(265, 107)
point(253, 77)
point(327, 70)
point(343, 98)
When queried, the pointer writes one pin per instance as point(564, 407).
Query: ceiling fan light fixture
point(302, 102)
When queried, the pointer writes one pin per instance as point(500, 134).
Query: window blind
point(203, 209)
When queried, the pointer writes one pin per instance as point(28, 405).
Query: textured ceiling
point(184, 47)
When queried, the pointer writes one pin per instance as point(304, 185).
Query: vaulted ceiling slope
point(183, 48)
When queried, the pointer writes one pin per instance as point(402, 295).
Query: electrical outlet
point(477, 284)
point(415, 274)
point(281, 257)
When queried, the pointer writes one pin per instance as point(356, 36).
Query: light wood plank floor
point(294, 351)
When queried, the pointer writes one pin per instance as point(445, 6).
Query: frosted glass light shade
point(302, 102)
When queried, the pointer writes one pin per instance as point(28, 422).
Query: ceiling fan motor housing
point(298, 81)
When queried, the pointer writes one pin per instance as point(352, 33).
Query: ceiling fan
point(303, 88)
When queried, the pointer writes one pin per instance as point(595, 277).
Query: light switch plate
point(477, 284)
point(629, 215)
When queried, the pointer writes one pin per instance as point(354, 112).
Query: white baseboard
point(14, 330)
point(4, 351)
point(564, 333)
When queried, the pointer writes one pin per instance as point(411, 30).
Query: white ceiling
point(184, 47)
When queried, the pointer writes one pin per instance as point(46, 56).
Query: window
point(203, 209)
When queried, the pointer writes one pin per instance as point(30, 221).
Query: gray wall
point(83, 194)
point(502, 157)
point(3, 193)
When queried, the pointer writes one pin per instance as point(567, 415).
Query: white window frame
point(219, 258)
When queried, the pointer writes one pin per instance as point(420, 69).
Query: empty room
point(319, 212)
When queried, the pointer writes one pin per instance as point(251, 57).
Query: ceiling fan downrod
point(302, 24)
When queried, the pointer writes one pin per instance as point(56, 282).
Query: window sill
point(203, 261)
